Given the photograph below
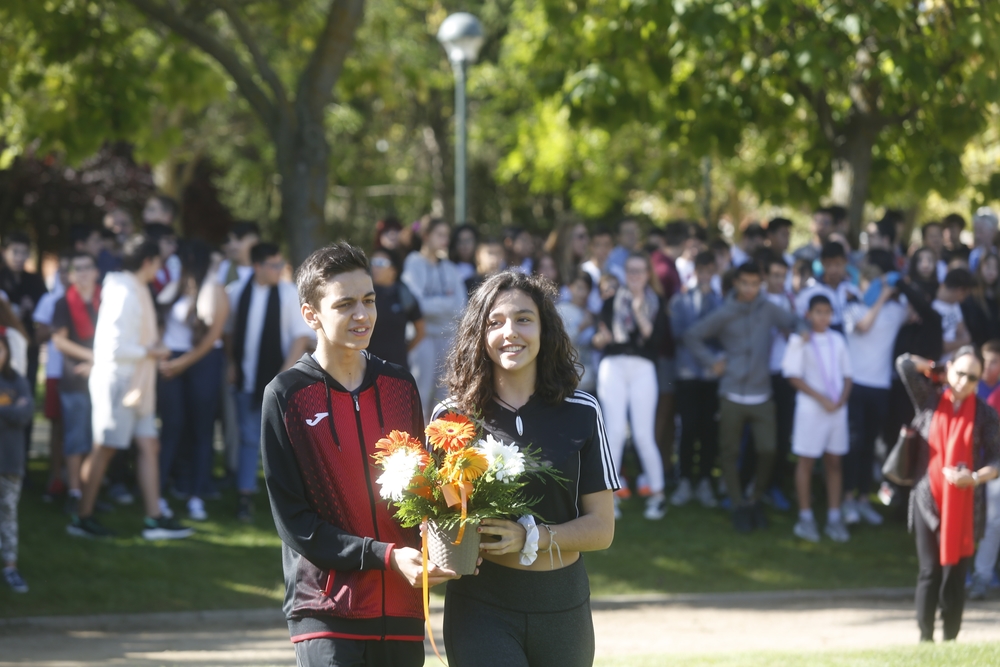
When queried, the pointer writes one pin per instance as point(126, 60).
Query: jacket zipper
point(371, 493)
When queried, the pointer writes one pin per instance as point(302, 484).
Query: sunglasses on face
point(381, 263)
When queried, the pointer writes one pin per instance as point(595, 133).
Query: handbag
point(908, 458)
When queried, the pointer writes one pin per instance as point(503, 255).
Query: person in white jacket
point(440, 290)
point(123, 390)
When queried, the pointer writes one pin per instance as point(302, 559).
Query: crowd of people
point(732, 369)
point(735, 369)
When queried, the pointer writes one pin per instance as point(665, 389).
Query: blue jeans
point(78, 437)
point(866, 412)
point(248, 415)
point(187, 404)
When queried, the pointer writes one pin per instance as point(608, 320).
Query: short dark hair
point(927, 226)
point(14, 238)
point(244, 227)
point(585, 278)
point(882, 259)
point(321, 267)
point(959, 279)
point(837, 212)
point(704, 258)
point(754, 231)
point(718, 245)
point(677, 232)
point(625, 221)
point(137, 249)
point(954, 220)
point(158, 230)
point(766, 258)
point(747, 269)
point(79, 254)
point(832, 250)
point(887, 227)
point(79, 233)
point(992, 346)
point(819, 300)
point(600, 230)
point(777, 224)
point(261, 251)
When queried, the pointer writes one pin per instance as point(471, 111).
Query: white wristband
point(530, 551)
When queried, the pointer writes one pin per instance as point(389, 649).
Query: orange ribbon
point(426, 595)
point(454, 494)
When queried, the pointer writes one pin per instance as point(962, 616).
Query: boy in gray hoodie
point(742, 326)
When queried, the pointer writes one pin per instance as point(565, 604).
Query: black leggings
point(937, 584)
point(513, 618)
point(698, 405)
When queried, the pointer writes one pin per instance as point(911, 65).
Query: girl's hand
point(511, 534)
point(962, 478)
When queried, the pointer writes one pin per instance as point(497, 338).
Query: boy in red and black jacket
point(351, 571)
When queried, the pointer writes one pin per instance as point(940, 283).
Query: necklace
point(517, 415)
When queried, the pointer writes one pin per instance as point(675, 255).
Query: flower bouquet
point(461, 479)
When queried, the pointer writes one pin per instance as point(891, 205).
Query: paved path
point(642, 625)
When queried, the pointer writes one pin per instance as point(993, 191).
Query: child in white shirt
point(820, 371)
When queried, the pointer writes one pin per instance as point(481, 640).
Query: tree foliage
point(887, 91)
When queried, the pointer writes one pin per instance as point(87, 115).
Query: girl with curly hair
point(513, 367)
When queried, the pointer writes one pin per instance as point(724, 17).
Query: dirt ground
point(669, 625)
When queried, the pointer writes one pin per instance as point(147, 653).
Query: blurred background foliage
point(578, 110)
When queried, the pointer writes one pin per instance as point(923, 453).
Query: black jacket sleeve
point(299, 526)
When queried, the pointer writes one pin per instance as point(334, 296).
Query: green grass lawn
point(952, 654)
point(695, 550)
point(229, 565)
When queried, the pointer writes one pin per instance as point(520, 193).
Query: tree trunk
point(852, 166)
point(303, 162)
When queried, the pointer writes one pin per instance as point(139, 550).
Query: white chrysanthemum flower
point(398, 471)
point(506, 461)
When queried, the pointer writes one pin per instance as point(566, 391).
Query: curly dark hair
point(470, 370)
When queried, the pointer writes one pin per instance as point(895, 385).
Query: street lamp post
point(461, 35)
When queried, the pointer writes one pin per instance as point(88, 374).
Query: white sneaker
point(849, 510)
point(618, 509)
point(837, 531)
point(682, 496)
point(165, 510)
point(868, 514)
point(196, 509)
point(704, 494)
point(656, 507)
point(806, 529)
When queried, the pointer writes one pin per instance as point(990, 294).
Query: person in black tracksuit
point(513, 368)
point(350, 569)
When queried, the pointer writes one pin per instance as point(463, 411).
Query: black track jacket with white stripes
point(570, 436)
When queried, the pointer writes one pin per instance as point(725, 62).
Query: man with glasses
point(73, 323)
point(266, 336)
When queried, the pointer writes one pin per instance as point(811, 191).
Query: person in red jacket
point(351, 571)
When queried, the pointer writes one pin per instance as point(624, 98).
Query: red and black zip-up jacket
point(337, 533)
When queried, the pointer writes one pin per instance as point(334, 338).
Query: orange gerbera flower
point(451, 432)
point(395, 441)
point(464, 465)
